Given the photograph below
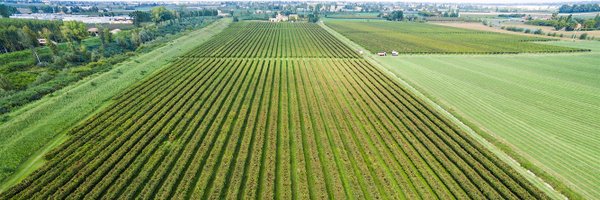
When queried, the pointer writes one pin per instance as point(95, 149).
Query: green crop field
point(423, 38)
point(260, 111)
point(354, 15)
point(32, 129)
point(545, 107)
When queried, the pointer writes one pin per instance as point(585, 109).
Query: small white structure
point(93, 31)
point(279, 18)
point(115, 31)
point(360, 52)
point(382, 53)
point(222, 13)
point(394, 53)
point(42, 41)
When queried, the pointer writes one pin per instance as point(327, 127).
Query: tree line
point(11, 37)
point(75, 54)
point(6, 11)
point(161, 14)
point(577, 8)
point(568, 23)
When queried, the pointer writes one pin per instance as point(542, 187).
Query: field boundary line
point(535, 180)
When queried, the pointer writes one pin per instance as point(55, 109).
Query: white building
point(279, 18)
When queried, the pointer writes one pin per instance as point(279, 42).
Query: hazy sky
point(458, 1)
point(486, 1)
point(491, 1)
point(429, 1)
point(440, 1)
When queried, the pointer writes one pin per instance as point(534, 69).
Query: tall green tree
point(6, 11)
point(48, 36)
point(74, 32)
point(139, 17)
point(396, 15)
point(313, 18)
point(161, 13)
point(28, 38)
point(105, 36)
point(34, 9)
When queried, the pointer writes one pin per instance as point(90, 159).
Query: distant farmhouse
point(279, 18)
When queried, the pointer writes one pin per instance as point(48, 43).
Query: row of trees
point(313, 17)
point(577, 8)
point(9, 36)
point(569, 23)
point(162, 14)
point(6, 11)
point(62, 64)
point(451, 13)
point(63, 9)
point(26, 37)
point(397, 15)
point(515, 15)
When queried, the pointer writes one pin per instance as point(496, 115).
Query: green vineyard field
point(268, 110)
point(423, 38)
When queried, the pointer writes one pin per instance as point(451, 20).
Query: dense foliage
point(577, 8)
point(24, 80)
point(261, 127)
point(6, 11)
point(160, 14)
point(397, 15)
point(568, 23)
point(516, 15)
point(313, 17)
point(11, 28)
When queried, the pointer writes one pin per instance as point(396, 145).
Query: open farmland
point(284, 119)
point(34, 128)
point(265, 40)
point(544, 107)
point(351, 15)
point(423, 38)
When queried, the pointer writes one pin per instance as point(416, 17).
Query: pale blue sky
point(440, 1)
point(457, 1)
point(417, 1)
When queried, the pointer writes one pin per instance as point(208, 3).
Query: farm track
point(267, 110)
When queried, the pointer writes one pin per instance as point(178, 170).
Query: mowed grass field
point(424, 38)
point(269, 114)
point(546, 107)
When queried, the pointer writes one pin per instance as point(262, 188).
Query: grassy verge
point(35, 128)
point(548, 184)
